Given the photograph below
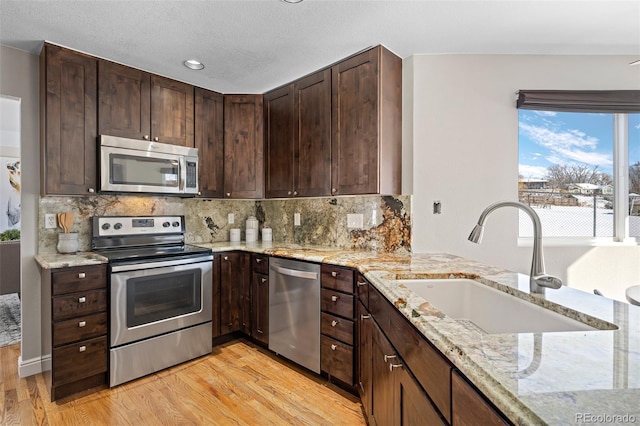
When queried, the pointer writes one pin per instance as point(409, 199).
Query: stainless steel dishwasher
point(294, 311)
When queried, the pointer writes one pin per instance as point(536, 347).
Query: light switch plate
point(296, 219)
point(355, 221)
point(230, 218)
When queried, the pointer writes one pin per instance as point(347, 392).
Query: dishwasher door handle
point(295, 273)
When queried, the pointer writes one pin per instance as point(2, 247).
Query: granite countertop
point(56, 260)
point(533, 378)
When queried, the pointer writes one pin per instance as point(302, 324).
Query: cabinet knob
point(361, 283)
point(82, 299)
point(82, 275)
point(264, 280)
point(82, 324)
point(199, 193)
point(295, 192)
point(288, 192)
point(155, 139)
point(334, 298)
point(145, 137)
point(363, 317)
point(258, 260)
point(333, 190)
point(228, 194)
point(392, 366)
point(334, 323)
point(388, 357)
point(334, 347)
point(226, 257)
point(82, 348)
point(334, 274)
point(91, 190)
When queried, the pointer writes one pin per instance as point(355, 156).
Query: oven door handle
point(149, 265)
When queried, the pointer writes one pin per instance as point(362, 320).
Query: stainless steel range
point(160, 294)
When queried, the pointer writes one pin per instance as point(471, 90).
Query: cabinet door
point(172, 119)
point(215, 295)
point(209, 139)
point(243, 146)
point(69, 127)
point(233, 285)
point(469, 407)
point(124, 101)
point(312, 175)
point(415, 408)
point(364, 333)
point(384, 408)
point(260, 307)
point(279, 142)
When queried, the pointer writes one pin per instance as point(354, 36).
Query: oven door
point(153, 298)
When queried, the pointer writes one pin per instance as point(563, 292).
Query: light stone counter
point(53, 261)
point(533, 378)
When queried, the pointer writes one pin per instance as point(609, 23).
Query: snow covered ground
point(566, 221)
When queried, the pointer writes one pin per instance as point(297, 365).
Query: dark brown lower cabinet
point(260, 307)
point(235, 293)
point(469, 407)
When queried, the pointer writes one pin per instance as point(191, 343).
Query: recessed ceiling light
point(292, 1)
point(193, 64)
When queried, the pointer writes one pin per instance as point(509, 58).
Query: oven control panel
point(138, 225)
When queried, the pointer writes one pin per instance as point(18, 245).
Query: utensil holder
point(68, 242)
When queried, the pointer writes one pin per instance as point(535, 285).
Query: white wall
point(465, 154)
point(19, 77)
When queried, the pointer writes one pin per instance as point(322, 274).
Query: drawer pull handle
point(388, 357)
point(334, 347)
point(392, 366)
point(334, 298)
point(264, 280)
point(334, 323)
point(82, 299)
point(82, 348)
point(334, 274)
point(82, 324)
point(258, 260)
point(82, 275)
point(226, 258)
point(363, 317)
point(361, 283)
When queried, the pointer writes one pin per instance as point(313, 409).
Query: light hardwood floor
point(239, 384)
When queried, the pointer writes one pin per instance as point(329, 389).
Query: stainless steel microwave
point(130, 165)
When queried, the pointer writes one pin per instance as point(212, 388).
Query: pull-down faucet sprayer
point(538, 279)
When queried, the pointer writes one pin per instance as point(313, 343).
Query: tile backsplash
point(323, 221)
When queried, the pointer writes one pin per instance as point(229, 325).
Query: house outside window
point(579, 164)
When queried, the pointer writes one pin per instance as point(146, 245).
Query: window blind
point(606, 101)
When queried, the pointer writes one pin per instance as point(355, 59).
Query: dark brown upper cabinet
point(243, 146)
point(138, 105)
point(279, 136)
point(68, 121)
point(209, 139)
point(298, 137)
point(366, 139)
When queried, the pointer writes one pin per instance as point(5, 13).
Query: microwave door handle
point(183, 174)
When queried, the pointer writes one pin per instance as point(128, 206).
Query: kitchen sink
point(490, 309)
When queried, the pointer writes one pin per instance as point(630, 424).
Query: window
point(579, 163)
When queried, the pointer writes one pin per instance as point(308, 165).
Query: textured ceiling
point(253, 46)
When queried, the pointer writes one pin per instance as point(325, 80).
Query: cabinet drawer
point(76, 361)
point(336, 358)
point(79, 279)
point(336, 303)
point(260, 263)
point(79, 304)
point(80, 328)
point(337, 328)
point(337, 278)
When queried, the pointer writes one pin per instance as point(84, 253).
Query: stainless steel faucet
point(538, 278)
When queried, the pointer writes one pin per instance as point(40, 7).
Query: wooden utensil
point(61, 221)
point(68, 221)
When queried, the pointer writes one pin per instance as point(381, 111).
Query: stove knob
point(175, 224)
point(117, 226)
point(106, 226)
point(165, 224)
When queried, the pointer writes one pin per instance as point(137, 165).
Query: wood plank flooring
point(239, 384)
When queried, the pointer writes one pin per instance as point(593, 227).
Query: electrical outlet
point(50, 221)
point(230, 218)
point(296, 219)
point(355, 221)
point(437, 207)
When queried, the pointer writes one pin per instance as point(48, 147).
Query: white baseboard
point(33, 366)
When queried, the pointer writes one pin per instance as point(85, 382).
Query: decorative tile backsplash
point(323, 221)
